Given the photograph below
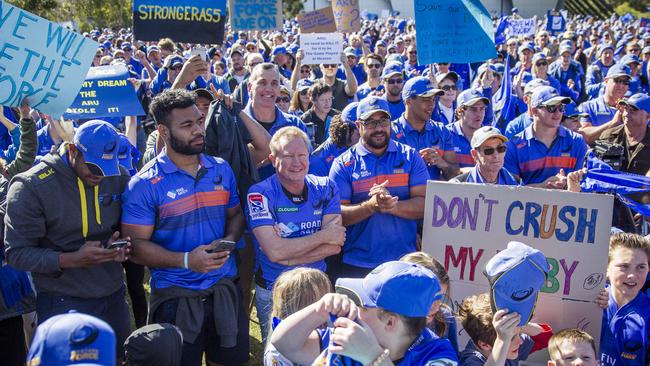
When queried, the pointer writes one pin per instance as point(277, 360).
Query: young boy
point(572, 347)
point(496, 339)
point(625, 328)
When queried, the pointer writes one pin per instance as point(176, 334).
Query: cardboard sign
point(347, 15)
point(105, 93)
point(317, 21)
point(555, 22)
point(252, 14)
point(521, 27)
point(466, 224)
point(453, 31)
point(644, 22)
point(321, 48)
point(41, 61)
point(193, 21)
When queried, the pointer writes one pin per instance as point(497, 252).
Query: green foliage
point(292, 8)
point(42, 8)
point(634, 7)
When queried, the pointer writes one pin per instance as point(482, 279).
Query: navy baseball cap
point(471, 97)
point(349, 113)
point(454, 76)
point(618, 70)
point(545, 96)
point(420, 86)
point(151, 49)
point(571, 110)
point(391, 69)
point(278, 50)
point(403, 288)
point(638, 101)
point(371, 104)
point(176, 60)
point(72, 339)
point(526, 46)
point(304, 84)
point(516, 275)
point(127, 154)
point(99, 142)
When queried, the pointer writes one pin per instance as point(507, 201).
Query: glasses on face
point(394, 81)
point(539, 64)
point(635, 50)
point(305, 71)
point(555, 108)
point(98, 56)
point(413, 52)
point(176, 68)
point(447, 88)
point(374, 123)
point(304, 92)
point(282, 100)
point(374, 66)
point(622, 81)
point(330, 66)
point(491, 150)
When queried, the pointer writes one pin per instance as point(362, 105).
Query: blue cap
point(152, 49)
point(534, 83)
point(176, 60)
point(618, 70)
point(126, 45)
point(391, 69)
point(638, 101)
point(539, 56)
point(72, 339)
point(604, 46)
point(526, 46)
point(483, 68)
point(349, 113)
point(292, 49)
point(571, 110)
point(547, 95)
point(98, 141)
point(278, 50)
point(516, 275)
point(107, 45)
point(471, 97)
point(380, 43)
point(304, 84)
point(420, 86)
point(629, 59)
point(403, 288)
point(127, 154)
point(451, 74)
point(371, 104)
point(350, 51)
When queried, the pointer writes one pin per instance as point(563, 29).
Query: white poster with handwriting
point(321, 48)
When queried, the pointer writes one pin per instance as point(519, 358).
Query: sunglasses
point(176, 68)
point(374, 66)
point(635, 50)
point(541, 64)
point(282, 100)
point(413, 52)
point(254, 64)
point(555, 108)
point(449, 87)
point(491, 150)
point(622, 81)
point(394, 81)
point(304, 71)
point(330, 66)
point(372, 124)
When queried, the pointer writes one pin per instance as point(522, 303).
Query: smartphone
point(118, 244)
point(201, 51)
point(223, 246)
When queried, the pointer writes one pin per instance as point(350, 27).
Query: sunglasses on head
point(555, 108)
point(449, 87)
point(394, 81)
point(491, 150)
point(374, 66)
point(282, 100)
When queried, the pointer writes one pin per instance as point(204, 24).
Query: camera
point(611, 153)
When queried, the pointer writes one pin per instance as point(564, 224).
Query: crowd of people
point(254, 175)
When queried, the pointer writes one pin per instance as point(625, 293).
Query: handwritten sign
point(317, 21)
point(41, 61)
point(105, 93)
point(466, 224)
point(521, 27)
point(321, 48)
point(644, 22)
point(194, 21)
point(555, 23)
point(453, 31)
point(347, 15)
point(255, 14)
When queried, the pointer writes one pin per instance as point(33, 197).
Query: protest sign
point(466, 224)
point(521, 27)
point(321, 48)
point(255, 14)
point(555, 22)
point(317, 21)
point(194, 21)
point(453, 31)
point(644, 22)
point(347, 15)
point(41, 61)
point(105, 93)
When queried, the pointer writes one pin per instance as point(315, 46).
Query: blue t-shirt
point(322, 158)
point(598, 110)
point(533, 162)
point(185, 211)
point(396, 109)
point(268, 205)
point(471, 356)
point(625, 331)
point(462, 146)
point(434, 135)
point(381, 237)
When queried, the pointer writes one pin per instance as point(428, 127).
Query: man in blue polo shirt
point(472, 106)
point(343, 134)
point(416, 129)
point(602, 110)
point(393, 82)
point(295, 218)
point(545, 151)
point(597, 71)
point(382, 184)
point(178, 210)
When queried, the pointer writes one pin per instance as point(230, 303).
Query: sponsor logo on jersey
point(287, 209)
point(258, 206)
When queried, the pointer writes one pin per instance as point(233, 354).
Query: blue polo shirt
point(462, 146)
point(533, 162)
point(518, 124)
point(185, 211)
point(504, 179)
point(434, 135)
point(381, 237)
point(322, 158)
point(281, 120)
point(395, 108)
point(598, 110)
point(268, 205)
point(624, 338)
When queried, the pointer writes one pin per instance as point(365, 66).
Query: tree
point(42, 8)
point(292, 8)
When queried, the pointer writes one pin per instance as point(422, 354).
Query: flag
point(499, 34)
point(503, 106)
